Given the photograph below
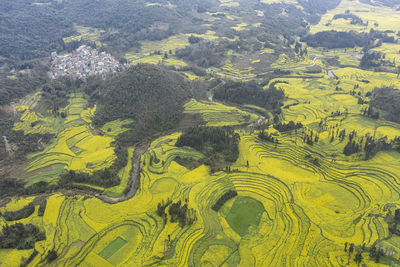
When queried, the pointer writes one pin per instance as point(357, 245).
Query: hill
point(151, 97)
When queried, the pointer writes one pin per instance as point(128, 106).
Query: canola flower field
point(75, 147)
point(289, 210)
point(296, 213)
point(168, 46)
point(217, 114)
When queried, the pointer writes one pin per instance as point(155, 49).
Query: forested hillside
point(30, 29)
point(152, 97)
point(388, 100)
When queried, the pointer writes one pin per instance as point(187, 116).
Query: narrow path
point(7, 145)
point(211, 93)
point(331, 74)
point(15, 112)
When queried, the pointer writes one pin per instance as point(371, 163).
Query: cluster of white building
point(83, 62)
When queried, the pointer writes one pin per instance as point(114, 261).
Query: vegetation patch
point(112, 248)
point(250, 93)
point(220, 145)
point(20, 236)
point(224, 198)
point(387, 99)
point(335, 39)
point(150, 97)
point(19, 214)
point(245, 213)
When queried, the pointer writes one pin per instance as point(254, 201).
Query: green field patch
point(175, 62)
point(49, 176)
point(85, 34)
point(115, 128)
point(391, 246)
point(364, 125)
point(349, 61)
point(111, 248)
point(99, 188)
point(132, 236)
point(245, 212)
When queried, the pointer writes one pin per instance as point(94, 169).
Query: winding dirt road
point(135, 178)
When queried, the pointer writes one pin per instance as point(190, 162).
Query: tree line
point(286, 127)
point(223, 199)
point(369, 144)
point(251, 93)
point(220, 145)
point(178, 212)
point(20, 236)
point(336, 39)
point(25, 212)
point(388, 100)
point(354, 19)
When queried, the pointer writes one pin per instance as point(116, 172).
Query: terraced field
point(85, 34)
point(296, 213)
point(374, 15)
point(76, 147)
point(289, 211)
point(298, 203)
point(147, 52)
point(217, 114)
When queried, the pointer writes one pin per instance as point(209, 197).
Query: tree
point(371, 113)
point(297, 47)
point(194, 40)
point(351, 248)
point(397, 216)
point(214, 142)
point(20, 236)
point(351, 148)
point(358, 258)
point(223, 199)
point(51, 256)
